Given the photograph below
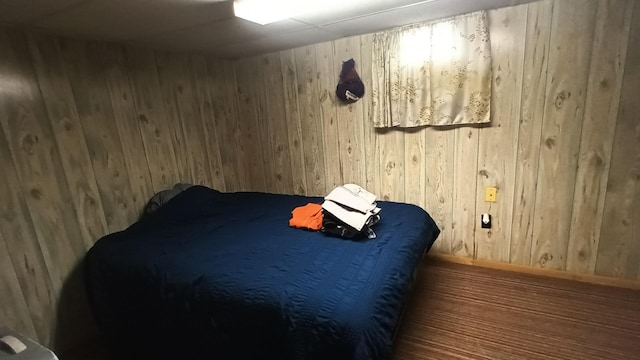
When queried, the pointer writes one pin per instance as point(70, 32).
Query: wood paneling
point(23, 249)
point(292, 118)
point(310, 124)
point(205, 104)
point(439, 145)
point(32, 150)
point(349, 119)
point(252, 127)
point(619, 241)
point(14, 311)
point(276, 125)
point(465, 179)
point(371, 139)
point(153, 119)
point(103, 141)
point(531, 114)
point(598, 129)
point(498, 143)
point(89, 131)
point(68, 133)
point(326, 81)
point(572, 33)
point(222, 86)
point(115, 72)
point(559, 70)
point(167, 77)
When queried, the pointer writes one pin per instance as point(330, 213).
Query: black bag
point(350, 88)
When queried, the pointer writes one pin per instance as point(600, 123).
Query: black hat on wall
point(350, 88)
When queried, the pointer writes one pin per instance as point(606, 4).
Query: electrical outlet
point(490, 194)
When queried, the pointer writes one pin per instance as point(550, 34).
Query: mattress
point(214, 275)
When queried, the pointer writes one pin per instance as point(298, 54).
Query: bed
point(213, 275)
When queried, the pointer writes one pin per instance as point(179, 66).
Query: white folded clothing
point(361, 192)
point(345, 197)
point(355, 219)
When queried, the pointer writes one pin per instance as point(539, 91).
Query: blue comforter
point(214, 275)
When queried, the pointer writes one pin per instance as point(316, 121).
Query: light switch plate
point(485, 221)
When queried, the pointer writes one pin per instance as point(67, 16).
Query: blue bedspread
point(214, 275)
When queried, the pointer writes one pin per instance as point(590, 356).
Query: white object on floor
point(14, 346)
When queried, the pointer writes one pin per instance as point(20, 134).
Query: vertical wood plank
point(392, 165)
point(498, 143)
point(211, 138)
point(68, 133)
point(292, 116)
point(252, 125)
point(189, 121)
point(262, 126)
point(14, 312)
point(571, 38)
point(598, 128)
point(222, 85)
point(30, 138)
point(168, 78)
point(371, 138)
point(116, 72)
point(156, 135)
point(103, 142)
point(619, 247)
point(326, 81)
point(53, 210)
point(464, 192)
point(24, 250)
point(310, 120)
point(349, 117)
point(532, 111)
point(273, 90)
point(439, 165)
point(415, 167)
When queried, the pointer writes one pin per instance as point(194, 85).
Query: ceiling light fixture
point(265, 12)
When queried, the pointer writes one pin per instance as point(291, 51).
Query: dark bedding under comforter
point(215, 275)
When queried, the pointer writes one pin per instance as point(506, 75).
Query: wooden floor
point(464, 312)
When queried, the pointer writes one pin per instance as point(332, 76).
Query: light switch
point(490, 194)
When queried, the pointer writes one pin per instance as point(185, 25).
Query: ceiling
point(209, 26)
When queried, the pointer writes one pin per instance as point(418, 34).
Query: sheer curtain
point(437, 73)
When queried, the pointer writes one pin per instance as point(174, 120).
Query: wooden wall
point(563, 147)
point(89, 131)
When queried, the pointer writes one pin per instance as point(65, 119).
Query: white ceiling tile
point(21, 11)
point(210, 26)
point(221, 33)
point(275, 43)
point(344, 10)
point(132, 19)
point(414, 14)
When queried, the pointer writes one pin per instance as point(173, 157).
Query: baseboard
point(586, 278)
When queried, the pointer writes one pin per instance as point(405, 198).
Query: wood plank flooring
point(466, 312)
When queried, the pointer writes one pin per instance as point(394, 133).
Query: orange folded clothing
point(307, 217)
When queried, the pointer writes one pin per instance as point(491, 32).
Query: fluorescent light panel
point(268, 11)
